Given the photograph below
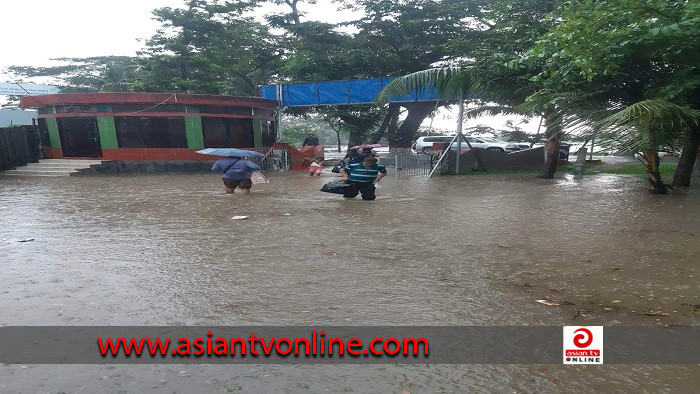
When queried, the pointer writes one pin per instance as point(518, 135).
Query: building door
point(79, 137)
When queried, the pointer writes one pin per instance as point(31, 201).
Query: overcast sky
point(38, 30)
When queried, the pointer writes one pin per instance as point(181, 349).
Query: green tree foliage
point(293, 16)
point(515, 27)
point(393, 37)
point(490, 71)
point(92, 74)
point(617, 53)
point(318, 52)
point(646, 127)
point(356, 120)
point(296, 128)
point(209, 47)
point(643, 48)
point(406, 36)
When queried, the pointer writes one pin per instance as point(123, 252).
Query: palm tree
point(463, 82)
point(645, 128)
point(449, 82)
point(688, 158)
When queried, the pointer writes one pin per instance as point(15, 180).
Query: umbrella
point(230, 152)
point(371, 146)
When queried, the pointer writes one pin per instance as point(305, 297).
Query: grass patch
point(666, 169)
point(623, 169)
point(640, 169)
point(496, 172)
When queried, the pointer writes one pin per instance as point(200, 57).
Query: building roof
point(154, 98)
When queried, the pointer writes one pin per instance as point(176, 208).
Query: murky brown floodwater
point(477, 250)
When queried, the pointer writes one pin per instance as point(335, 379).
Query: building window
point(142, 132)
point(228, 133)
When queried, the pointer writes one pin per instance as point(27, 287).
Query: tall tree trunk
point(374, 139)
point(295, 11)
point(337, 133)
point(537, 136)
point(392, 128)
point(382, 128)
point(657, 186)
point(552, 134)
point(689, 155)
point(355, 138)
point(417, 112)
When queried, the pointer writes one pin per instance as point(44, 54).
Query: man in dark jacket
point(311, 140)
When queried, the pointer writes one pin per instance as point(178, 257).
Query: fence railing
point(274, 160)
point(412, 166)
point(19, 146)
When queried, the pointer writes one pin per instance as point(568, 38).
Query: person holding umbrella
point(357, 154)
point(236, 167)
point(367, 152)
point(237, 172)
point(352, 156)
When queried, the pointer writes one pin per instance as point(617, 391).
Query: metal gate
point(274, 160)
point(19, 146)
point(414, 166)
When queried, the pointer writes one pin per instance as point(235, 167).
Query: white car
point(509, 146)
point(425, 144)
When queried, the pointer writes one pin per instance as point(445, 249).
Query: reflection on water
point(477, 250)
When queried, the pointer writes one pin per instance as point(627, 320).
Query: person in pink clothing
point(316, 167)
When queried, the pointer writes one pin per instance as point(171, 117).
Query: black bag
point(336, 169)
point(337, 187)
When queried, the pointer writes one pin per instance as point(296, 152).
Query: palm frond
point(647, 126)
point(653, 112)
point(449, 82)
point(492, 110)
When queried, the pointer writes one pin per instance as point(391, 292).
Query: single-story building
point(150, 126)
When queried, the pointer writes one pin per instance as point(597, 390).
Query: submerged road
point(477, 250)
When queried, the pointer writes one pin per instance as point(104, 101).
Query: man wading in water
point(362, 178)
point(237, 173)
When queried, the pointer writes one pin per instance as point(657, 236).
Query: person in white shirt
point(316, 167)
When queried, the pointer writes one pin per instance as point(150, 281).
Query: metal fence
point(274, 160)
point(413, 166)
point(19, 146)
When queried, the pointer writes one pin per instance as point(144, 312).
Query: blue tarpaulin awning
point(358, 91)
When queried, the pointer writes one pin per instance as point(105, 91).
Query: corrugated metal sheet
point(26, 89)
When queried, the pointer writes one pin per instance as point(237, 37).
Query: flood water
point(472, 250)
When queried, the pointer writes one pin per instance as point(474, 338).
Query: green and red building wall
point(150, 126)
